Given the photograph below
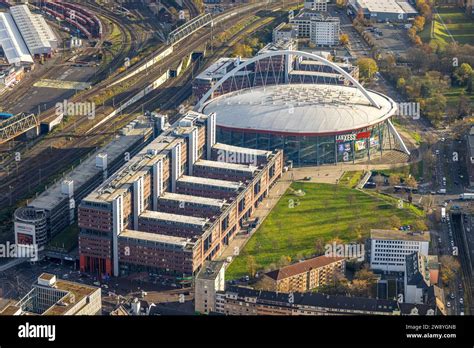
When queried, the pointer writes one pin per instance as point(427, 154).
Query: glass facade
point(312, 150)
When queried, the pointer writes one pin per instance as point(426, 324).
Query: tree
point(394, 179)
point(463, 73)
point(394, 221)
point(464, 106)
point(379, 180)
point(284, 261)
point(251, 265)
point(411, 182)
point(344, 39)
point(419, 23)
point(420, 225)
point(367, 67)
point(449, 267)
point(319, 246)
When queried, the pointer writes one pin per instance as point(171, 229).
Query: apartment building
point(421, 273)
point(209, 280)
point(238, 300)
point(320, 29)
point(52, 296)
point(304, 276)
point(389, 248)
point(171, 207)
point(316, 5)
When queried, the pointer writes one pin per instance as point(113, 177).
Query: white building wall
point(389, 255)
point(117, 227)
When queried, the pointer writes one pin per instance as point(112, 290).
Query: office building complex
point(56, 208)
point(320, 29)
point(176, 204)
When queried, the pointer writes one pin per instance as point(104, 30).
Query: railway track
point(58, 152)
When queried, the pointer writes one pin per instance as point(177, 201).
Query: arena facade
point(273, 105)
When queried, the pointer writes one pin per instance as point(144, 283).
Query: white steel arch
point(286, 53)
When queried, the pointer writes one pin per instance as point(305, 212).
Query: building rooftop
point(210, 270)
point(300, 109)
point(33, 28)
point(218, 69)
point(12, 42)
point(399, 235)
point(155, 237)
point(302, 267)
point(183, 219)
point(193, 199)
point(231, 166)
point(87, 169)
point(230, 185)
point(75, 293)
point(386, 6)
point(317, 300)
point(238, 149)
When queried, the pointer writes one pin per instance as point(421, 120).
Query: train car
point(5, 116)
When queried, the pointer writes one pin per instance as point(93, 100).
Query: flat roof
point(233, 185)
point(300, 109)
point(399, 235)
point(185, 219)
point(238, 149)
point(77, 290)
point(87, 169)
point(155, 237)
point(193, 199)
point(12, 42)
point(210, 270)
point(386, 6)
point(218, 69)
point(232, 166)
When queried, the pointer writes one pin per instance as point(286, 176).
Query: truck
point(443, 214)
point(441, 191)
point(466, 196)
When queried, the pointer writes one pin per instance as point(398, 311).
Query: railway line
point(64, 148)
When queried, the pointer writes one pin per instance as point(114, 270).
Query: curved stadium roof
point(300, 109)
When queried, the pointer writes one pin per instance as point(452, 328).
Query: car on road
point(461, 300)
point(451, 296)
point(448, 304)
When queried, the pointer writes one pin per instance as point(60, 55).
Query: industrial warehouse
point(175, 204)
point(288, 100)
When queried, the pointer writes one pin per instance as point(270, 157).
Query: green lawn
point(458, 24)
point(325, 212)
point(351, 179)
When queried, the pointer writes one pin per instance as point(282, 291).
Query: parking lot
point(391, 38)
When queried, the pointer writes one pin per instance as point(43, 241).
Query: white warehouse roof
point(38, 37)
point(11, 41)
point(303, 109)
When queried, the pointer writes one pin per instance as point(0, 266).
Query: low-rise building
point(283, 31)
point(304, 276)
point(238, 300)
point(52, 296)
point(382, 11)
point(389, 248)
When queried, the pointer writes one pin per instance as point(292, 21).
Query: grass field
point(457, 25)
point(323, 213)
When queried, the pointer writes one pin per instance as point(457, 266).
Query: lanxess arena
point(314, 123)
